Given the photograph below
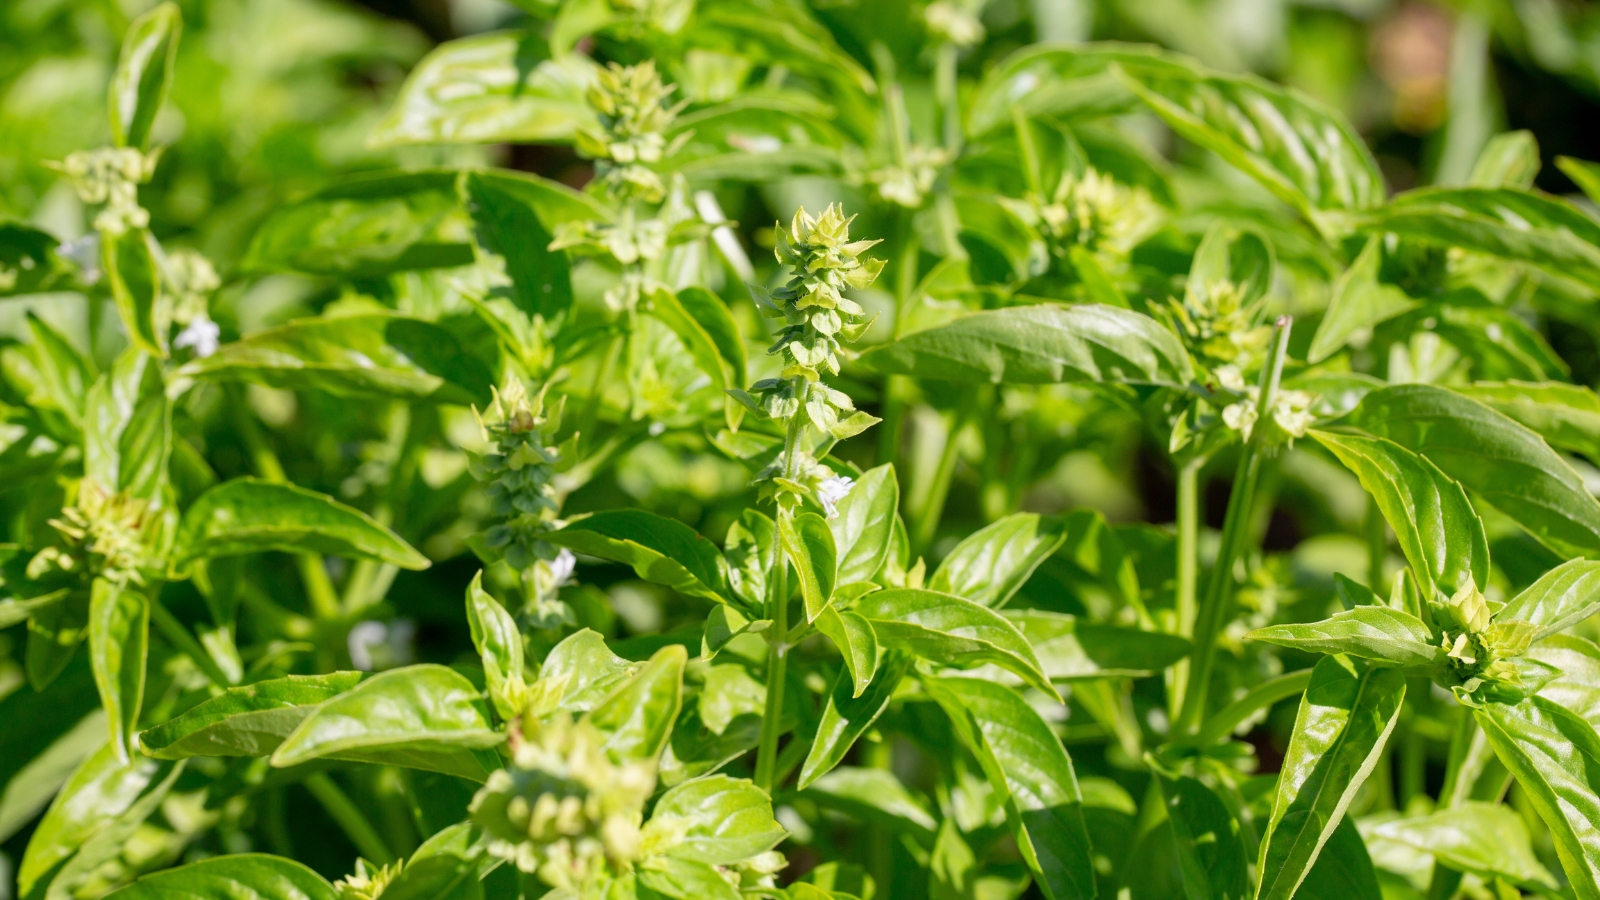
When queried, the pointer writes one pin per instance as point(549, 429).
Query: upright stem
point(349, 817)
point(1213, 613)
point(1188, 570)
point(927, 517)
point(778, 612)
point(1377, 547)
point(323, 598)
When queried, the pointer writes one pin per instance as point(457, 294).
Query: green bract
point(1143, 494)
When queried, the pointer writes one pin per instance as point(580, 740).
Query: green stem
point(597, 389)
point(926, 523)
point(1030, 152)
point(1263, 695)
point(778, 612)
point(944, 79)
point(349, 817)
point(1188, 571)
point(1377, 547)
point(323, 598)
point(1214, 611)
point(180, 637)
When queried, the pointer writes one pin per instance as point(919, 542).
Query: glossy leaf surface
point(247, 515)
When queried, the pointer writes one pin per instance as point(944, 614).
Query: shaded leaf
point(421, 717)
point(1491, 455)
point(1070, 648)
point(247, 515)
point(848, 715)
point(516, 216)
point(873, 795)
point(1210, 854)
point(856, 642)
point(1359, 301)
point(1484, 839)
point(1344, 720)
point(660, 550)
point(1041, 345)
point(251, 720)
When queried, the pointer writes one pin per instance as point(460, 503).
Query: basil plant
point(764, 517)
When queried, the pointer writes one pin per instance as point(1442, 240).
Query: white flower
point(201, 336)
point(831, 491)
point(85, 253)
point(562, 566)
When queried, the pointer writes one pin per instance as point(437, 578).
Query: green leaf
point(119, 641)
point(135, 281)
point(856, 642)
point(848, 715)
point(1071, 649)
point(1555, 757)
point(1041, 345)
point(1483, 839)
point(1512, 224)
point(588, 670)
point(245, 876)
point(1508, 160)
point(143, 74)
point(1438, 530)
point(808, 544)
point(490, 89)
point(30, 783)
point(1344, 720)
point(1025, 764)
point(1210, 854)
point(1562, 597)
point(992, 564)
point(369, 355)
point(1565, 415)
point(728, 819)
point(1343, 870)
point(660, 550)
point(948, 630)
point(1586, 175)
point(875, 796)
point(1577, 688)
point(1240, 258)
point(251, 720)
point(1303, 152)
point(445, 867)
point(101, 789)
point(109, 842)
point(499, 645)
point(684, 879)
point(127, 428)
point(54, 631)
point(713, 315)
point(864, 523)
point(667, 307)
point(730, 693)
point(1491, 455)
point(29, 263)
point(1376, 633)
point(420, 717)
point(64, 373)
point(247, 515)
point(516, 216)
point(1067, 80)
point(1359, 301)
point(367, 227)
point(638, 716)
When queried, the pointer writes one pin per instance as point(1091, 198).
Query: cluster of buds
point(907, 183)
point(1293, 412)
point(953, 22)
point(817, 318)
point(519, 468)
point(108, 535)
point(1482, 655)
point(190, 280)
point(367, 882)
point(634, 118)
point(564, 809)
point(1091, 211)
point(111, 175)
point(1220, 326)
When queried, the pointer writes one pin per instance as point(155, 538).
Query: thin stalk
point(349, 817)
point(1030, 152)
point(926, 522)
point(778, 634)
point(1263, 695)
point(944, 80)
point(880, 853)
point(1188, 571)
point(323, 598)
point(895, 387)
point(1377, 547)
point(1213, 612)
point(597, 388)
point(369, 579)
point(180, 637)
